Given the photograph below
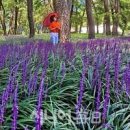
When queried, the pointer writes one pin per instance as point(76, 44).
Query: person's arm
point(52, 27)
point(59, 26)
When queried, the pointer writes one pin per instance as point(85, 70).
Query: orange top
point(55, 26)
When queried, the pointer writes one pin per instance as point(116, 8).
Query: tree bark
point(30, 18)
point(2, 18)
point(71, 13)
point(11, 23)
point(81, 24)
point(90, 19)
point(104, 26)
point(115, 16)
point(16, 17)
point(19, 17)
point(76, 24)
point(107, 18)
point(96, 17)
point(63, 8)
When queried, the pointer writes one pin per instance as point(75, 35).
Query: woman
point(54, 28)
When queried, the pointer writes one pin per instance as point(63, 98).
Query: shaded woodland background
point(78, 16)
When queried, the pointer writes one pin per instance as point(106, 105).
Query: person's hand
point(53, 28)
point(58, 28)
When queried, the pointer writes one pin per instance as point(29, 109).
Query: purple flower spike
point(126, 78)
point(63, 72)
point(40, 97)
point(117, 67)
point(26, 128)
point(98, 94)
point(24, 71)
point(107, 93)
point(80, 97)
point(15, 109)
point(7, 93)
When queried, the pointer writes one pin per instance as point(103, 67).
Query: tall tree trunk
point(97, 27)
point(71, 13)
point(19, 23)
point(11, 23)
point(3, 25)
point(16, 17)
point(19, 17)
point(104, 26)
point(90, 19)
point(123, 31)
point(30, 18)
point(2, 17)
point(125, 22)
point(115, 16)
point(96, 17)
point(76, 24)
point(63, 8)
point(107, 17)
point(76, 28)
point(81, 24)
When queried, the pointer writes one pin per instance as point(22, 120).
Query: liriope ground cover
point(83, 86)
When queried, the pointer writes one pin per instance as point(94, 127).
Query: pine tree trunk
point(90, 19)
point(30, 18)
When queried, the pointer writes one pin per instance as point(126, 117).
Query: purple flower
point(8, 92)
point(69, 51)
point(81, 93)
point(63, 72)
point(15, 109)
point(1, 114)
point(98, 93)
point(26, 128)
point(107, 92)
point(108, 126)
point(24, 71)
point(96, 69)
point(79, 102)
point(40, 97)
point(116, 67)
point(34, 80)
point(126, 78)
point(30, 85)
